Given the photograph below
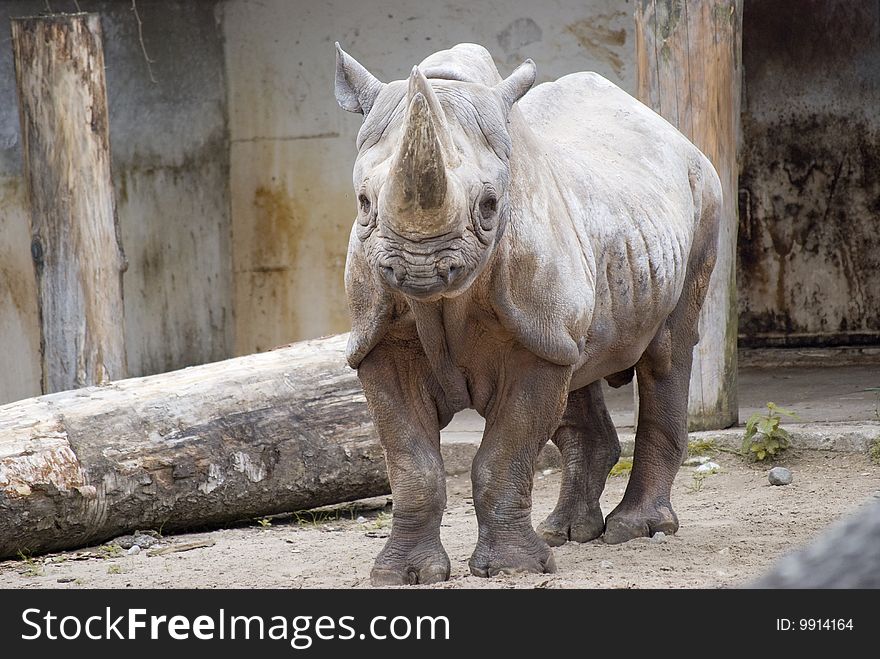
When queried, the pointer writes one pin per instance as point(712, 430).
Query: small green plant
point(114, 569)
point(623, 467)
point(702, 447)
point(764, 437)
point(315, 517)
point(383, 520)
point(265, 522)
point(876, 390)
point(874, 451)
point(701, 474)
point(109, 551)
point(699, 478)
point(33, 568)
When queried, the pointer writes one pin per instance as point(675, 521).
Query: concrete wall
point(809, 245)
point(292, 149)
point(171, 171)
point(233, 170)
point(280, 157)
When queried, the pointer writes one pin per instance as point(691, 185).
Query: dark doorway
point(809, 233)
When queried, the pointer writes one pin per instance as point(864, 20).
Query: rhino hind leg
point(664, 373)
point(394, 382)
point(661, 440)
point(663, 376)
point(589, 446)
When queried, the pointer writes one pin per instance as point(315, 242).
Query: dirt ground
point(732, 528)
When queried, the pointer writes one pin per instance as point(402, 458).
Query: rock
point(65, 579)
point(606, 565)
point(140, 539)
point(658, 537)
point(124, 541)
point(696, 461)
point(779, 476)
point(135, 549)
point(708, 468)
point(361, 519)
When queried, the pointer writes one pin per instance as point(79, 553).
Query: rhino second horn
point(419, 177)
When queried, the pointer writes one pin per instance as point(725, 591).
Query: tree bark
point(688, 59)
point(76, 246)
point(275, 432)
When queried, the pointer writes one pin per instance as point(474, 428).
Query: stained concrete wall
point(809, 245)
point(170, 164)
point(233, 170)
point(292, 149)
point(285, 172)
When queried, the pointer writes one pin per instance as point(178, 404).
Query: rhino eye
point(488, 206)
point(364, 203)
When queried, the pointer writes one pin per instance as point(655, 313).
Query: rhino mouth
point(421, 281)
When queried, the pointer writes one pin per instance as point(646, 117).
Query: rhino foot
point(423, 564)
point(580, 523)
point(625, 524)
point(533, 556)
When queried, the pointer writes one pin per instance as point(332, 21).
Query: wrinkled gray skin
point(510, 250)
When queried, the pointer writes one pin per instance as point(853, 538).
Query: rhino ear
point(356, 88)
point(514, 86)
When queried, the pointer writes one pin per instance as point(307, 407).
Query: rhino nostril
point(452, 273)
point(390, 275)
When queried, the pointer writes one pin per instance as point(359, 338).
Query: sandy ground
point(732, 529)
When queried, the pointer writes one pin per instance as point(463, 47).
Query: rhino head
point(432, 172)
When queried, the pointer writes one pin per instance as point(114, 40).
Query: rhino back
point(587, 111)
point(623, 209)
point(611, 149)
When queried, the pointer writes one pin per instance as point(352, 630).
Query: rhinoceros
point(513, 246)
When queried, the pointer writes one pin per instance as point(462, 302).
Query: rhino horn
point(418, 178)
point(418, 84)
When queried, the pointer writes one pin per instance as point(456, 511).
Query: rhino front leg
point(527, 409)
point(589, 446)
point(400, 393)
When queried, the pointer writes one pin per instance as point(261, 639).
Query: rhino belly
point(634, 298)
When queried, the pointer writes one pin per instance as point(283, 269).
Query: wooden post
point(688, 55)
point(76, 245)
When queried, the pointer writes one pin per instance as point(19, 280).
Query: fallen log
point(269, 433)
